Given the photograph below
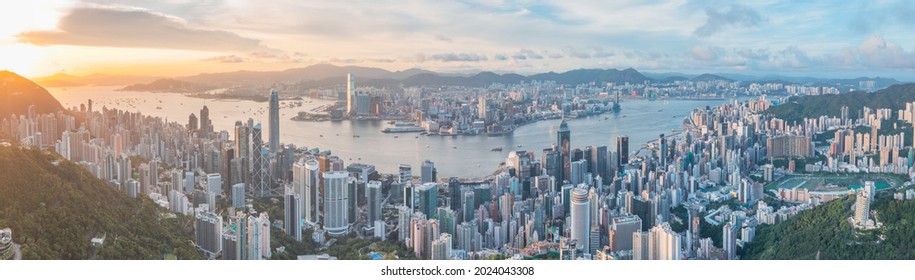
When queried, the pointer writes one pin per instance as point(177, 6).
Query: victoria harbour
point(467, 156)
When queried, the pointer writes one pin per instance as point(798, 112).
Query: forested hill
point(825, 229)
point(55, 208)
point(797, 108)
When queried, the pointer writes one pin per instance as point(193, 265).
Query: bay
point(458, 156)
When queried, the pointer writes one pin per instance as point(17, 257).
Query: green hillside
point(824, 229)
point(893, 97)
point(55, 210)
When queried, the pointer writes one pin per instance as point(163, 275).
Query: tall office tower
point(262, 178)
point(238, 196)
point(259, 174)
point(298, 185)
point(441, 247)
point(189, 182)
point(208, 229)
point(729, 240)
point(292, 220)
point(599, 163)
point(274, 122)
point(623, 228)
point(454, 192)
point(312, 197)
point(206, 125)
point(447, 219)
point(468, 207)
point(336, 217)
point(662, 150)
point(565, 151)
point(350, 94)
point(428, 198)
point(192, 122)
point(481, 107)
point(243, 150)
point(663, 243)
point(622, 150)
point(214, 185)
point(406, 173)
point(581, 219)
point(257, 139)
point(373, 189)
point(428, 172)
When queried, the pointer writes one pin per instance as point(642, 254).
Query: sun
point(19, 58)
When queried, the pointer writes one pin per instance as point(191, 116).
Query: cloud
point(526, 54)
point(382, 60)
point(876, 52)
point(443, 38)
point(870, 17)
point(500, 57)
point(452, 57)
point(705, 53)
point(128, 27)
point(224, 59)
point(736, 15)
point(583, 53)
point(263, 54)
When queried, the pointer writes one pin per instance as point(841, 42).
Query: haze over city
point(169, 38)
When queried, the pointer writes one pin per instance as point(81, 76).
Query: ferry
point(401, 129)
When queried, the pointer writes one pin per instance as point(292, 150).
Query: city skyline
point(505, 130)
point(816, 38)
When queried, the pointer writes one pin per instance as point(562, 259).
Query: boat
point(496, 149)
point(160, 108)
point(322, 135)
point(395, 136)
point(455, 147)
point(403, 129)
point(519, 145)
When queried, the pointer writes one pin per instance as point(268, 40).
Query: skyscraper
point(206, 125)
point(350, 94)
point(238, 195)
point(599, 162)
point(274, 122)
point(622, 149)
point(581, 219)
point(373, 189)
point(565, 153)
point(663, 243)
point(428, 198)
point(214, 184)
point(311, 197)
point(729, 240)
point(208, 229)
point(292, 219)
point(862, 203)
point(428, 171)
point(336, 217)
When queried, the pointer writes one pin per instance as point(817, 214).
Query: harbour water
point(460, 156)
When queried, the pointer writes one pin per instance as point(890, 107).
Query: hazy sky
point(178, 37)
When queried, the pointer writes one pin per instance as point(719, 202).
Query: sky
point(841, 39)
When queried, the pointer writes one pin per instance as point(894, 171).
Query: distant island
point(168, 85)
